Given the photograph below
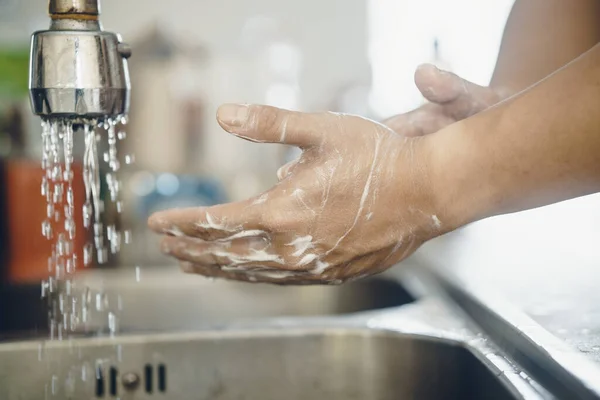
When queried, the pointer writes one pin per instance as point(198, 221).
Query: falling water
point(71, 310)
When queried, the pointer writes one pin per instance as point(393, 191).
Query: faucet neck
point(68, 24)
point(74, 9)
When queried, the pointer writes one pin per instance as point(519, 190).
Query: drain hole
point(99, 382)
point(113, 381)
point(162, 378)
point(148, 378)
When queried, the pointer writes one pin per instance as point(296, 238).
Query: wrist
point(461, 193)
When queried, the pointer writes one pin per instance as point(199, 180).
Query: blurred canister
point(28, 249)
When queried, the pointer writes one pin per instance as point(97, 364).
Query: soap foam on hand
point(344, 210)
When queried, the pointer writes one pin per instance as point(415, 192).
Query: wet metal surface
point(422, 350)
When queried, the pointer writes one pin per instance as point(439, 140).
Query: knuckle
point(268, 119)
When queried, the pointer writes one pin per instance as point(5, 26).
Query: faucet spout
point(77, 70)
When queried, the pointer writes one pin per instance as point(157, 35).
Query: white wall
point(331, 36)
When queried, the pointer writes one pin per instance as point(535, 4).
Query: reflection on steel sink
point(176, 301)
point(270, 364)
point(330, 365)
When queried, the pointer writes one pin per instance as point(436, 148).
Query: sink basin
point(175, 302)
point(328, 364)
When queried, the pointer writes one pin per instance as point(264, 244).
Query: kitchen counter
point(546, 262)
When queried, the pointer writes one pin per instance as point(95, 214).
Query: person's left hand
point(358, 201)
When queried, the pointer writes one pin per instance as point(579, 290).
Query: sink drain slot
point(107, 382)
point(149, 378)
point(99, 382)
point(113, 381)
point(162, 378)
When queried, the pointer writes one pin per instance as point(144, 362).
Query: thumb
point(460, 97)
point(264, 124)
point(438, 86)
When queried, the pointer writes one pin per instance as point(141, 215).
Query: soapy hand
point(451, 99)
point(355, 203)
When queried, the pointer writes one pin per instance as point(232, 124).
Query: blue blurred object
point(173, 191)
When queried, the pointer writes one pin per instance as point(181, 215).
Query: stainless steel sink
point(171, 301)
point(270, 364)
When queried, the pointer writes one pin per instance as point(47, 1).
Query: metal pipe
point(73, 7)
point(77, 70)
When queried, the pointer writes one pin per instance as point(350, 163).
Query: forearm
point(541, 36)
point(537, 148)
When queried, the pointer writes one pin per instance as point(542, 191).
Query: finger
point(251, 275)
point(266, 124)
point(222, 222)
point(460, 97)
point(436, 85)
point(425, 120)
point(239, 254)
point(287, 169)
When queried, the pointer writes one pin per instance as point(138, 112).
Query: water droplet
point(129, 159)
point(61, 245)
point(54, 385)
point(47, 229)
point(138, 274)
point(50, 210)
point(88, 254)
point(122, 135)
point(70, 268)
point(70, 196)
point(70, 228)
point(85, 367)
point(119, 207)
point(127, 236)
point(45, 186)
point(87, 214)
point(41, 351)
point(44, 289)
point(102, 256)
point(99, 302)
point(112, 323)
point(68, 175)
point(56, 173)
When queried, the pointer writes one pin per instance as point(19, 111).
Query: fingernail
point(234, 115)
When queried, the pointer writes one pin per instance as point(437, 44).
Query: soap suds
point(320, 268)
point(364, 196)
point(307, 259)
point(212, 224)
point(174, 231)
point(262, 199)
point(301, 244)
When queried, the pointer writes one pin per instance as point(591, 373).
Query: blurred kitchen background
point(189, 56)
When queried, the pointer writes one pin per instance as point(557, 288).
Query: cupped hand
point(451, 99)
point(355, 203)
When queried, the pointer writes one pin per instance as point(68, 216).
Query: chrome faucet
point(77, 70)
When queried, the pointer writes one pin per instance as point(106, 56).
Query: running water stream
point(70, 309)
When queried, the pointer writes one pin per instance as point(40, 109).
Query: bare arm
point(537, 148)
point(543, 35)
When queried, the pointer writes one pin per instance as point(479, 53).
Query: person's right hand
point(451, 99)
